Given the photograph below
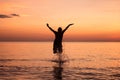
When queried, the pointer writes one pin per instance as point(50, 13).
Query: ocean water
point(79, 61)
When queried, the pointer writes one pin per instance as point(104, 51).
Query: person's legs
point(54, 49)
point(60, 49)
point(57, 48)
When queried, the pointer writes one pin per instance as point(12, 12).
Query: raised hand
point(67, 27)
point(70, 24)
point(50, 28)
point(47, 24)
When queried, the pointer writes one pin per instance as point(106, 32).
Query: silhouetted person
point(57, 46)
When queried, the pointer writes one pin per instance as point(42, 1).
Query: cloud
point(5, 16)
point(9, 16)
point(15, 15)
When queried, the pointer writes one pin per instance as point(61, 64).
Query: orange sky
point(95, 20)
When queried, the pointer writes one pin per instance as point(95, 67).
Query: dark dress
point(57, 46)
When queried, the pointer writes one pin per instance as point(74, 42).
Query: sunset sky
point(94, 20)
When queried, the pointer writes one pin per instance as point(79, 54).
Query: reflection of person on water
point(57, 73)
point(57, 47)
point(58, 70)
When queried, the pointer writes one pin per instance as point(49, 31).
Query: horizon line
point(52, 41)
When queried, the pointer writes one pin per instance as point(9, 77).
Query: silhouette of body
point(57, 46)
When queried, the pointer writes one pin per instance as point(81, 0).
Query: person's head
point(59, 29)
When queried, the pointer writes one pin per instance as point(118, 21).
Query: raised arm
point(50, 28)
point(67, 27)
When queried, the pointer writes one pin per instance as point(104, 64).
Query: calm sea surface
point(79, 61)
